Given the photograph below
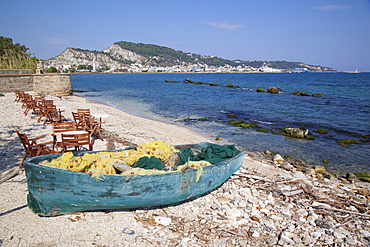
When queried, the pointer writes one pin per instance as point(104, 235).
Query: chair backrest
point(84, 115)
point(51, 107)
point(76, 141)
point(77, 119)
point(24, 140)
point(47, 102)
point(85, 111)
point(39, 98)
point(27, 98)
point(63, 127)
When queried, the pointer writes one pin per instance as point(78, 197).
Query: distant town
point(196, 68)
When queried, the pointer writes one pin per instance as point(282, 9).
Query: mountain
point(125, 54)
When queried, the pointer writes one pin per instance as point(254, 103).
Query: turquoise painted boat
point(53, 191)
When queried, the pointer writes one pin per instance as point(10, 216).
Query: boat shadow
point(13, 210)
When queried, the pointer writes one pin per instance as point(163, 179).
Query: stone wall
point(9, 83)
point(52, 83)
point(15, 71)
point(42, 83)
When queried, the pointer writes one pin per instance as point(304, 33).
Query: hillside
point(125, 54)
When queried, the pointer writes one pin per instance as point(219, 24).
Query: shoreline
point(261, 204)
point(212, 137)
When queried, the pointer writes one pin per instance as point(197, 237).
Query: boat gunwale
point(29, 163)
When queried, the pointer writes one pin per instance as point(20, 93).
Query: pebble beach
point(267, 202)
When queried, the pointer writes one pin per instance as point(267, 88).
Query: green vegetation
point(15, 56)
point(236, 123)
point(52, 70)
point(309, 137)
point(1, 95)
point(202, 119)
point(244, 124)
point(259, 90)
point(363, 176)
point(84, 67)
point(167, 56)
point(321, 131)
point(287, 157)
point(317, 94)
point(299, 93)
point(263, 130)
point(347, 142)
point(164, 56)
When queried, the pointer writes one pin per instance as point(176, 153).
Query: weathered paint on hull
point(54, 191)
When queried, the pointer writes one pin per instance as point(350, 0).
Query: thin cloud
point(225, 25)
point(56, 41)
point(332, 7)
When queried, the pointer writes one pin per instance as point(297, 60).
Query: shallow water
point(344, 109)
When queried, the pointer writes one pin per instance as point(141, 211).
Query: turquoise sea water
point(344, 109)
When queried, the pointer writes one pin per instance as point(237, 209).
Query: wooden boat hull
point(55, 191)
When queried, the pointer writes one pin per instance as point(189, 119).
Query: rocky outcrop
point(296, 132)
point(117, 52)
point(78, 56)
point(273, 90)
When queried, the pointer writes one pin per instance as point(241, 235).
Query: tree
point(52, 70)
point(15, 56)
point(7, 43)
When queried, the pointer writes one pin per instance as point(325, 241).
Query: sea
point(343, 109)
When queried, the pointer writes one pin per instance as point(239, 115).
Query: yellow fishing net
point(102, 163)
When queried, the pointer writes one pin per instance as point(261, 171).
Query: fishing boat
point(53, 191)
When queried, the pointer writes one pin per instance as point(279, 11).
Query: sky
point(329, 33)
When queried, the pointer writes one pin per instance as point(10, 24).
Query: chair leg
point(24, 158)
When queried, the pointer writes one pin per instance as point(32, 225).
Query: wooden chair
point(30, 104)
point(78, 142)
point(85, 121)
point(51, 114)
point(61, 128)
point(23, 99)
point(32, 148)
point(90, 124)
point(19, 95)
